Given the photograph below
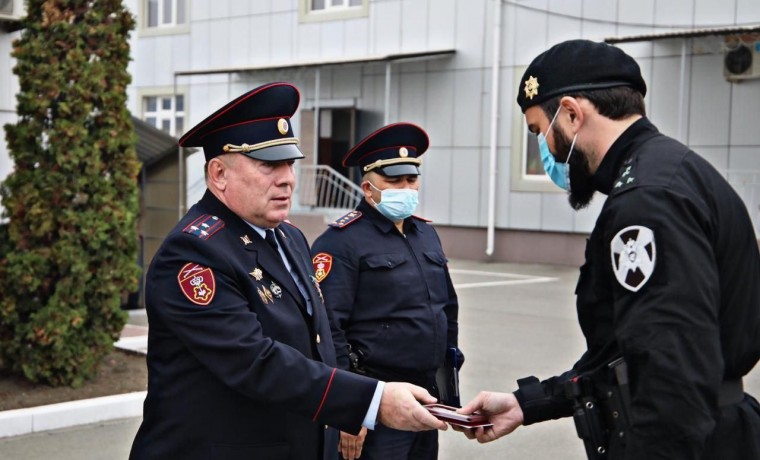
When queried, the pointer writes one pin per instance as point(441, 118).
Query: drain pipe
point(494, 129)
point(682, 93)
point(317, 77)
point(387, 116)
point(180, 164)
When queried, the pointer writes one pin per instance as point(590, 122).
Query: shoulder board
point(422, 219)
point(626, 178)
point(204, 226)
point(347, 220)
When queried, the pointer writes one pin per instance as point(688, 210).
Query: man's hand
point(400, 408)
point(350, 446)
point(502, 410)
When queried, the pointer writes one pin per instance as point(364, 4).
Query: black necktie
point(272, 240)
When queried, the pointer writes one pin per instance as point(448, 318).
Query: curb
point(134, 339)
point(42, 418)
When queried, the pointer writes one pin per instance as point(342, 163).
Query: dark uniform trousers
point(671, 284)
point(237, 369)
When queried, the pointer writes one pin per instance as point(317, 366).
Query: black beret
point(577, 65)
point(256, 124)
point(392, 150)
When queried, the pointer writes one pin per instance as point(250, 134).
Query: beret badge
point(531, 87)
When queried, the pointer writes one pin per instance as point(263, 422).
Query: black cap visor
point(276, 153)
point(398, 170)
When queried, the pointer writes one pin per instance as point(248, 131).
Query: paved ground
point(515, 320)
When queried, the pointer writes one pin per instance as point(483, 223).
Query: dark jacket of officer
point(250, 374)
point(390, 294)
point(688, 329)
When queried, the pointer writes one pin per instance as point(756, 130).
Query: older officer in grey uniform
point(241, 364)
point(669, 296)
point(385, 278)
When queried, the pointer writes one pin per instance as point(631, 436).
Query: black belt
point(424, 379)
point(730, 392)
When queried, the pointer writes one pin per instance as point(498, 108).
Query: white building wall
point(8, 89)
point(451, 97)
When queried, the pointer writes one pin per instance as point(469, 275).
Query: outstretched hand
point(503, 411)
point(401, 408)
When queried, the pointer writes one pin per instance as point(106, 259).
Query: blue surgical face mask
point(396, 203)
point(559, 173)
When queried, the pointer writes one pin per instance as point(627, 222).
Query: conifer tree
point(69, 249)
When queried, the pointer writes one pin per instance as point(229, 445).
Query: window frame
point(522, 181)
point(162, 28)
point(331, 12)
point(160, 114)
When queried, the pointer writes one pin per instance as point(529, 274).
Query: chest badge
point(265, 295)
point(257, 274)
point(197, 283)
point(276, 290)
point(633, 255)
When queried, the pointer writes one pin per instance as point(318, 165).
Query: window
point(527, 170)
point(164, 17)
point(166, 13)
point(329, 10)
point(318, 5)
point(531, 157)
point(166, 113)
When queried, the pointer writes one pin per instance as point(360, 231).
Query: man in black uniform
point(669, 296)
point(385, 278)
point(241, 364)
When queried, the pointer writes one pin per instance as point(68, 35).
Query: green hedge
point(69, 250)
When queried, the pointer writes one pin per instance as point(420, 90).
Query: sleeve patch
point(197, 283)
point(322, 265)
point(347, 220)
point(633, 256)
point(205, 226)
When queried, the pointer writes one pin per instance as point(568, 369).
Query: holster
point(589, 423)
point(355, 358)
point(601, 403)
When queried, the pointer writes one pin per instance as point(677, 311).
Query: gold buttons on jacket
point(319, 339)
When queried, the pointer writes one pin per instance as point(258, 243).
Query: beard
point(580, 176)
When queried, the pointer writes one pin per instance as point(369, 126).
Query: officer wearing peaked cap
point(385, 278)
point(392, 151)
point(256, 124)
point(241, 362)
point(668, 298)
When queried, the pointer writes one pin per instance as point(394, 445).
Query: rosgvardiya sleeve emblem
point(322, 264)
point(197, 283)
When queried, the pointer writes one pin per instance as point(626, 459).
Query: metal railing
point(320, 186)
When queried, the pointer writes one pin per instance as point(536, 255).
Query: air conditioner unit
point(741, 61)
point(11, 10)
